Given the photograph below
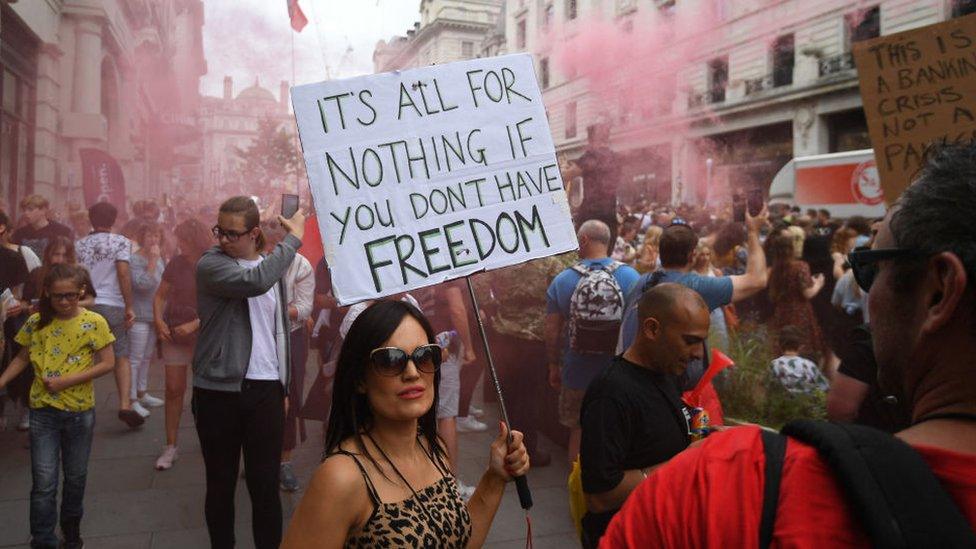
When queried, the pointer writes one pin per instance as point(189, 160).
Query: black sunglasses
point(392, 361)
point(864, 263)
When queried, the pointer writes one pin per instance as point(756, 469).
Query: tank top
point(434, 516)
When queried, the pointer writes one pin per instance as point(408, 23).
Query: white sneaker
point(167, 458)
point(465, 491)
point(151, 401)
point(469, 424)
point(139, 409)
point(475, 411)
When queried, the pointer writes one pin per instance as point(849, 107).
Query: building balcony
point(758, 85)
point(697, 99)
point(836, 64)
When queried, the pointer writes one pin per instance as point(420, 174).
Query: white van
point(846, 184)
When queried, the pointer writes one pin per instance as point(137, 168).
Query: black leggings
point(227, 423)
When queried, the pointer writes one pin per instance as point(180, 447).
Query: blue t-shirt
point(579, 370)
point(716, 291)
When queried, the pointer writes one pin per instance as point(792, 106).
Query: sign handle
point(521, 482)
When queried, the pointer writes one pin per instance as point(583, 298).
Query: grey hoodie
point(223, 347)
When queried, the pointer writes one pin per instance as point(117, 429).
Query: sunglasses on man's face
point(392, 361)
point(864, 263)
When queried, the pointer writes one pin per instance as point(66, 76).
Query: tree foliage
point(271, 161)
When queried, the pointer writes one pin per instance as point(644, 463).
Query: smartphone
point(754, 201)
point(289, 205)
point(738, 207)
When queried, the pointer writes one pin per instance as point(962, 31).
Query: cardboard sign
point(424, 175)
point(918, 87)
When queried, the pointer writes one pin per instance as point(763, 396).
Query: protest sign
point(918, 87)
point(428, 174)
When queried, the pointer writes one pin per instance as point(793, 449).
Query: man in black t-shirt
point(39, 229)
point(632, 416)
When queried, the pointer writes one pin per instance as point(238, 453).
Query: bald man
point(632, 417)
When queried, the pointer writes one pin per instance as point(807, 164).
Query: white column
point(87, 92)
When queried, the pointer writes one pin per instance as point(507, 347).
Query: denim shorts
point(115, 316)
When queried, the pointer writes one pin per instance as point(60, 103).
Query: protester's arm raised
point(335, 503)
point(506, 461)
point(749, 284)
point(220, 275)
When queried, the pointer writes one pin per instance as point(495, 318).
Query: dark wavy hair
point(245, 207)
point(351, 415)
point(193, 235)
point(781, 254)
point(55, 273)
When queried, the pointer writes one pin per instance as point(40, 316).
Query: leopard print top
point(435, 517)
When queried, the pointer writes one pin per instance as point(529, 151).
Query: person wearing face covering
point(632, 417)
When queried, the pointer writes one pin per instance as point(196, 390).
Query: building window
point(863, 25)
point(571, 10)
point(544, 72)
point(963, 7)
point(570, 120)
point(18, 81)
point(520, 34)
point(467, 49)
point(718, 79)
point(783, 60)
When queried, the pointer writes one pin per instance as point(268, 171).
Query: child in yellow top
point(68, 347)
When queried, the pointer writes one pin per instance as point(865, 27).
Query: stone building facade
point(448, 30)
point(230, 122)
point(117, 75)
point(762, 82)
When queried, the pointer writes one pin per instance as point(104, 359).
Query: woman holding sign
point(384, 462)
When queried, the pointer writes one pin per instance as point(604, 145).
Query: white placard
point(424, 175)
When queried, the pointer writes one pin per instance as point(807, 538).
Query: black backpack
point(897, 498)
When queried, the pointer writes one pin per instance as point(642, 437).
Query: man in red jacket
point(922, 280)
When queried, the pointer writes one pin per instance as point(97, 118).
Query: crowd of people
point(626, 337)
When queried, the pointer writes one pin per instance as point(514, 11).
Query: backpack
point(596, 309)
point(897, 498)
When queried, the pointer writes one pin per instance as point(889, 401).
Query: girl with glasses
point(385, 481)
point(68, 347)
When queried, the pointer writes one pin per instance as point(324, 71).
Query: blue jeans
point(58, 438)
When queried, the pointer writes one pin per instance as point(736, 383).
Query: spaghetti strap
point(373, 494)
point(438, 463)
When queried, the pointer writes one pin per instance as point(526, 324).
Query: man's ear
point(651, 328)
point(944, 285)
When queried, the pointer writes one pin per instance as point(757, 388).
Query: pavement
point(129, 505)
